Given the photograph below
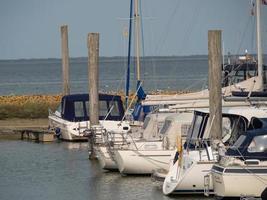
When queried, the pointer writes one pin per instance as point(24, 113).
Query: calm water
point(62, 170)
point(43, 76)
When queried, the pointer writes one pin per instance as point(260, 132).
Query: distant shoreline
point(174, 57)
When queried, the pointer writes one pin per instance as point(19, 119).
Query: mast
point(137, 39)
point(129, 56)
point(259, 48)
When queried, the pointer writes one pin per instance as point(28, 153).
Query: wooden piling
point(215, 97)
point(93, 75)
point(65, 59)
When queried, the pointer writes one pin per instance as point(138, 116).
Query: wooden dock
point(30, 129)
point(36, 135)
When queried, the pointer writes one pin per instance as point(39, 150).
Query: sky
point(31, 28)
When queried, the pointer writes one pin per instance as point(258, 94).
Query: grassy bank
point(27, 106)
point(36, 106)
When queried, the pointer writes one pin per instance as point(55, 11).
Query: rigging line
point(142, 29)
point(190, 28)
point(261, 179)
point(142, 35)
point(129, 106)
point(243, 36)
point(253, 43)
point(197, 83)
point(167, 28)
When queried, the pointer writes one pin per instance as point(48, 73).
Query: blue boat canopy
point(251, 145)
point(75, 107)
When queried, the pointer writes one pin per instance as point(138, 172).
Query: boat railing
point(115, 141)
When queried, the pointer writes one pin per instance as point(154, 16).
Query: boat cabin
point(252, 145)
point(75, 107)
point(234, 123)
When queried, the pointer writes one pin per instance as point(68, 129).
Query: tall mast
point(259, 49)
point(137, 39)
point(129, 56)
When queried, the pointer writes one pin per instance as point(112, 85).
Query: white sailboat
point(149, 131)
point(196, 160)
point(143, 157)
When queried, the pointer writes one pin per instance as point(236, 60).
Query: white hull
point(143, 161)
point(187, 178)
point(75, 130)
point(236, 185)
point(106, 162)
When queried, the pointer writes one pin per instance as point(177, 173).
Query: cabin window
point(238, 143)
point(87, 107)
point(238, 127)
point(146, 122)
point(114, 107)
point(64, 105)
point(78, 109)
point(197, 126)
point(103, 108)
point(185, 128)
point(255, 123)
point(166, 126)
point(258, 144)
point(226, 128)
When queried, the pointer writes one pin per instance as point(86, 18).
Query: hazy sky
point(31, 28)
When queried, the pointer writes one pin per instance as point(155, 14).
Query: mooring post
point(93, 75)
point(65, 59)
point(215, 91)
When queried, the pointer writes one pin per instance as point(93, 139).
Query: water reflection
point(61, 170)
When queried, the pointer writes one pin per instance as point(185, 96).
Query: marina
point(100, 127)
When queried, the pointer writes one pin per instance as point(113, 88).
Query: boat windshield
point(258, 144)
point(197, 126)
point(239, 142)
point(146, 122)
point(196, 130)
point(166, 126)
point(78, 109)
point(114, 109)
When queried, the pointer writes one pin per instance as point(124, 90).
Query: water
point(62, 171)
point(43, 76)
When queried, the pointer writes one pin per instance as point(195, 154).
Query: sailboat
point(187, 173)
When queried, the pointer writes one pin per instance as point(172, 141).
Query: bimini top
point(75, 107)
point(251, 145)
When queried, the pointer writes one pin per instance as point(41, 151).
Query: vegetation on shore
point(27, 106)
point(37, 106)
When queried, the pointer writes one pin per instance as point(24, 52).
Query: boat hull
point(104, 158)
point(187, 177)
point(187, 182)
point(142, 161)
point(73, 131)
point(242, 183)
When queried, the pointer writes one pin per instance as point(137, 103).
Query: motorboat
point(242, 171)
point(71, 119)
point(195, 161)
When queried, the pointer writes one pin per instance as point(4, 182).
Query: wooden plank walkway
point(31, 129)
